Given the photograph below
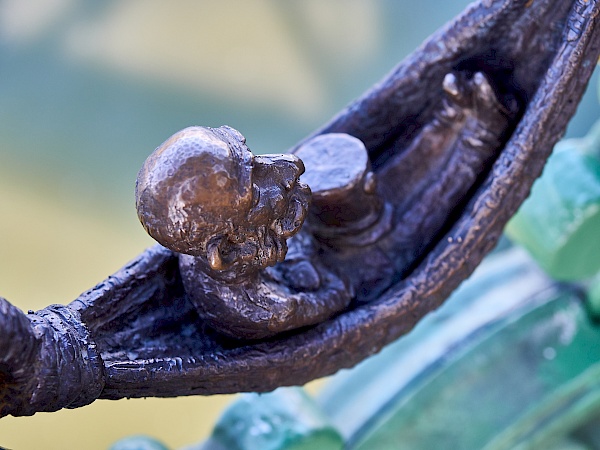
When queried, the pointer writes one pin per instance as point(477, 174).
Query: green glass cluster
point(559, 224)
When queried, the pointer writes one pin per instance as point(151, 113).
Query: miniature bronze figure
point(203, 194)
point(455, 137)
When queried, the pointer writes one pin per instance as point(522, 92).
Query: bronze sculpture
point(137, 334)
point(202, 193)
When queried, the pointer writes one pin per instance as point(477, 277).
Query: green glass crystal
point(284, 419)
point(559, 224)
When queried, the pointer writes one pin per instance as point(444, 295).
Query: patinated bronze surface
point(455, 135)
point(203, 194)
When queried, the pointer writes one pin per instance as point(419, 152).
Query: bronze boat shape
point(138, 335)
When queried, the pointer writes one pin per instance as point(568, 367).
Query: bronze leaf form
point(140, 335)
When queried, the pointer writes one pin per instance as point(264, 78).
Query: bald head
point(204, 194)
point(193, 186)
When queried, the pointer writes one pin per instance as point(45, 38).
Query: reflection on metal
point(455, 136)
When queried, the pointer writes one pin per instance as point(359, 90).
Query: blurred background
point(89, 89)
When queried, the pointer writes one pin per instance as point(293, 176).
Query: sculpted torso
point(229, 213)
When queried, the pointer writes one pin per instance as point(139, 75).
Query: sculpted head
point(203, 193)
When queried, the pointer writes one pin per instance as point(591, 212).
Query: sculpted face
point(279, 205)
point(203, 193)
